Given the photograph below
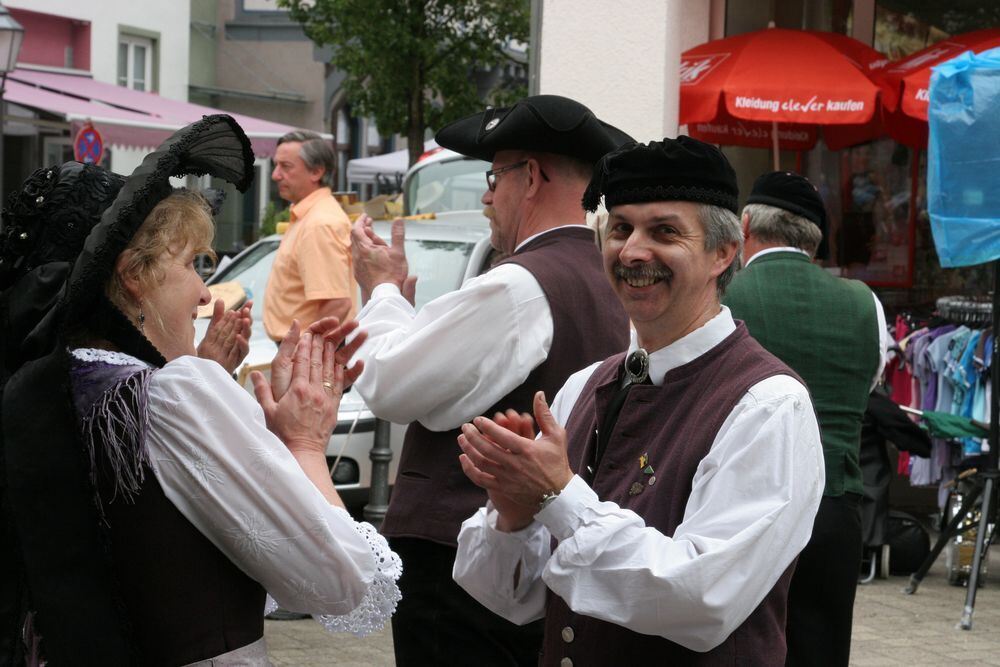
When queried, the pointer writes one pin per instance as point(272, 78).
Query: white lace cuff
point(382, 596)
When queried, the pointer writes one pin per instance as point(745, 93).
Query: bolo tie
point(636, 371)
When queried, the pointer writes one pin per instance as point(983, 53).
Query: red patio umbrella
point(905, 82)
point(778, 76)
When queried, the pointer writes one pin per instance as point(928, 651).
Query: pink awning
point(125, 116)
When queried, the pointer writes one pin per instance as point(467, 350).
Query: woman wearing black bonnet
point(149, 503)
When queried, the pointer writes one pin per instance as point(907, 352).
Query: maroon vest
point(674, 425)
point(432, 496)
point(185, 600)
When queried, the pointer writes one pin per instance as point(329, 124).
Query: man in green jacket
point(830, 331)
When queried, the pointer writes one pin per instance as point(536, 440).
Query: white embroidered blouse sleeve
point(503, 571)
point(750, 512)
point(238, 484)
point(459, 355)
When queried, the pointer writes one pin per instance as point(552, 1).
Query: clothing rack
point(966, 310)
point(986, 480)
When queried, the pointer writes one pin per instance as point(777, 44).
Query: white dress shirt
point(242, 489)
point(884, 340)
point(460, 354)
point(750, 512)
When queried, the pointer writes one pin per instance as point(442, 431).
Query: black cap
point(791, 192)
point(681, 169)
point(541, 123)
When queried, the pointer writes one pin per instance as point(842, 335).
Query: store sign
point(88, 147)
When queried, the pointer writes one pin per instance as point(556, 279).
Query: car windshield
point(251, 272)
point(439, 264)
point(451, 185)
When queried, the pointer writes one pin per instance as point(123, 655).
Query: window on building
point(135, 62)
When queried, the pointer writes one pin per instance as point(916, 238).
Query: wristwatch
point(547, 499)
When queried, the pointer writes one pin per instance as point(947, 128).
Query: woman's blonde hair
point(180, 220)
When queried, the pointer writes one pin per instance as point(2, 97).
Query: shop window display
point(903, 27)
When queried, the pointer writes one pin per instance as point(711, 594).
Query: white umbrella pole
point(774, 143)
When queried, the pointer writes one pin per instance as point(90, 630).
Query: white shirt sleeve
point(750, 512)
point(883, 341)
point(489, 561)
point(237, 483)
point(459, 355)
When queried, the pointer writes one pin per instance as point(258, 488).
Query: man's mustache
point(489, 212)
point(649, 270)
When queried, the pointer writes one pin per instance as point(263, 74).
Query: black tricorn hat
point(681, 169)
point(540, 123)
point(790, 192)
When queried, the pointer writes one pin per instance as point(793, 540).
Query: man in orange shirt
point(312, 276)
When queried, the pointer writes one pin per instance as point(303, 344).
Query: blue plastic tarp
point(963, 159)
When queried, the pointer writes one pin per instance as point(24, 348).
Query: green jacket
point(826, 329)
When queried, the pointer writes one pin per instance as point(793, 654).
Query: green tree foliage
point(410, 63)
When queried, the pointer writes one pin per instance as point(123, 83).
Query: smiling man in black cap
point(831, 331)
point(524, 326)
point(657, 517)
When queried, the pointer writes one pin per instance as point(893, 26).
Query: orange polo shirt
point(313, 264)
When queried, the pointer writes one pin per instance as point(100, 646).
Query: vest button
point(568, 635)
point(566, 662)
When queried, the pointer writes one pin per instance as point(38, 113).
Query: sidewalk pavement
point(890, 628)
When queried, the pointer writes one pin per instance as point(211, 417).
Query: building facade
point(623, 61)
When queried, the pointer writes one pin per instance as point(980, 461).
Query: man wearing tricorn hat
point(658, 515)
point(788, 304)
point(525, 325)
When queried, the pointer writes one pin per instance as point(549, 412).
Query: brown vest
point(432, 496)
point(185, 600)
point(674, 425)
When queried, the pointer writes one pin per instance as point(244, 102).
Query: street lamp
point(11, 36)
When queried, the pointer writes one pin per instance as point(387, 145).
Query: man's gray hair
point(315, 152)
point(722, 227)
point(771, 224)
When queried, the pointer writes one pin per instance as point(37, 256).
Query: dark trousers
point(438, 623)
point(821, 594)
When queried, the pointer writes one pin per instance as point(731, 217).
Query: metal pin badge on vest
point(637, 366)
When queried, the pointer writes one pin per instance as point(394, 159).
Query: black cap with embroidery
point(681, 169)
point(791, 192)
point(49, 218)
point(540, 123)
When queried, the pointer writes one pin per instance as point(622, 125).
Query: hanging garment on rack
point(962, 375)
point(924, 366)
point(897, 372)
point(943, 354)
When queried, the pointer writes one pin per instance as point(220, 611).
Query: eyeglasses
point(491, 175)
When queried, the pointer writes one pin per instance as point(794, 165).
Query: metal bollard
point(380, 455)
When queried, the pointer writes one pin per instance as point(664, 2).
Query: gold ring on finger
point(328, 385)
